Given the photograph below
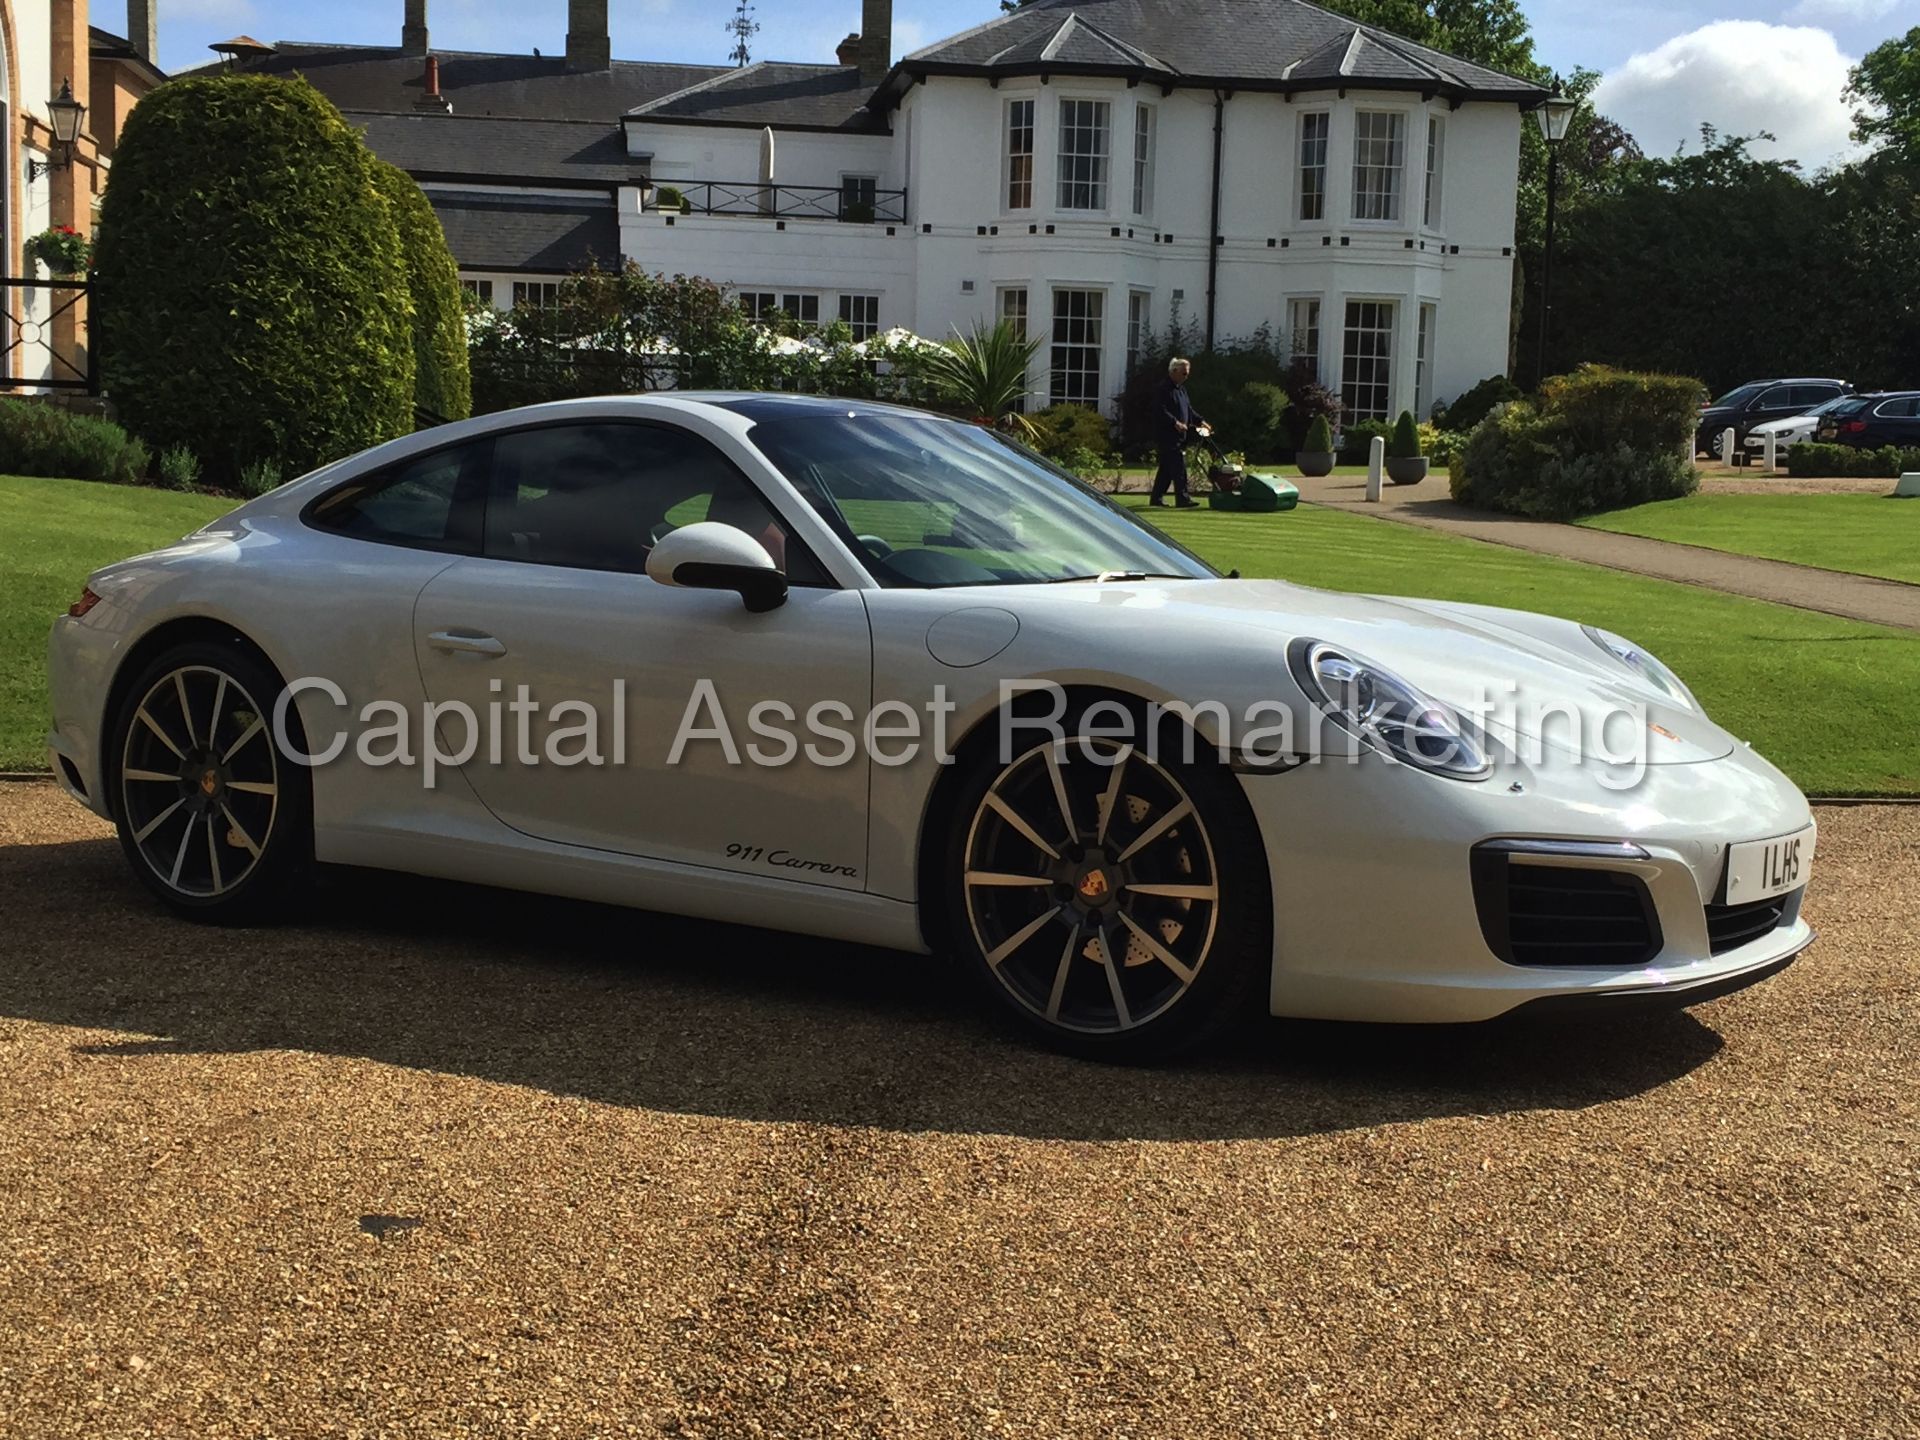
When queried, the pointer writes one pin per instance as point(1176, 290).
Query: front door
point(556, 634)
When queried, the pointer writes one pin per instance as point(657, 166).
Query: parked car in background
point(1795, 430)
point(1887, 417)
point(1757, 402)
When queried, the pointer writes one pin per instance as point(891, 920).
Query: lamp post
point(1554, 115)
point(64, 113)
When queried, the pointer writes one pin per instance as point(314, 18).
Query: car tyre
point(215, 821)
point(1111, 899)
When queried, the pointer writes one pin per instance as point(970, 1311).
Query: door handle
point(459, 644)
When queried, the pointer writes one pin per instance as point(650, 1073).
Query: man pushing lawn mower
point(1176, 425)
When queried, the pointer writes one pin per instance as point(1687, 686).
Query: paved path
point(1857, 597)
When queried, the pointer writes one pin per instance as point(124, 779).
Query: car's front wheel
point(1113, 900)
point(213, 819)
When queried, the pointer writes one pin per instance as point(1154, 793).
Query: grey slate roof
point(495, 232)
point(539, 87)
point(1255, 44)
point(500, 150)
point(772, 92)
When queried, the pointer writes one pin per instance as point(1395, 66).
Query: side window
point(597, 496)
point(1897, 409)
point(1779, 397)
point(432, 502)
point(1812, 395)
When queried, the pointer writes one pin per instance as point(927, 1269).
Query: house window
point(1084, 149)
point(479, 289)
point(1313, 165)
point(1142, 159)
point(1139, 327)
point(858, 196)
point(1303, 331)
point(862, 314)
point(804, 308)
point(1078, 320)
point(1366, 374)
point(1379, 158)
point(1020, 154)
point(1436, 147)
point(760, 305)
point(540, 294)
point(1013, 306)
point(1423, 366)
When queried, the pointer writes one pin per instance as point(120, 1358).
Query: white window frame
point(1318, 329)
point(1427, 322)
point(1320, 167)
point(863, 328)
point(541, 294)
point(1007, 152)
point(1099, 347)
point(1433, 200)
point(759, 305)
point(1139, 328)
point(1146, 125)
point(866, 177)
point(1383, 379)
point(1002, 299)
point(1392, 198)
point(806, 299)
point(1102, 183)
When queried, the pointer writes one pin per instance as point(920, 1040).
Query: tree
point(251, 295)
point(1886, 86)
point(442, 384)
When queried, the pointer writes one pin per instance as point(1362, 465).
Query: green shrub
point(1356, 441)
point(442, 383)
point(668, 197)
point(257, 477)
point(251, 290)
point(178, 468)
point(1253, 419)
point(1404, 443)
point(1319, 440)
point(1602, 407)
point(1440, 446)
point(1059, 431)
point(1550, 462)
point(37, 438)
point(1474, 405)
point(1887, 463)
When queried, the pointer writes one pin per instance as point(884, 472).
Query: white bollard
point(1376, 463)
point(1726, 446)
point(1909, 486)
point(1773, 452)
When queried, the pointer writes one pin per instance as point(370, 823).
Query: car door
point(1776, 402)
point(557, 617)
point(1895, 422)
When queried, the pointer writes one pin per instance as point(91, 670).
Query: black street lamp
point(1554, 115)
point(64, 113)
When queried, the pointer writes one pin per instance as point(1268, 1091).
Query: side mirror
point(710, 556)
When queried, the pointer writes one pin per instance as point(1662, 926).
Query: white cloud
point(1740, 76)
point(1843, 10)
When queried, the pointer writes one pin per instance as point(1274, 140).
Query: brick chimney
point(143, 29)
point(876, 40)
point(848, 51)
point(431, 101)
point(413, 32)
point(589, 46)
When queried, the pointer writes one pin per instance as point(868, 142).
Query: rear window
point(1852, 405)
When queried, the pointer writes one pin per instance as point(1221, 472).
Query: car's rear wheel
point(215, 821)
point(1114, 901)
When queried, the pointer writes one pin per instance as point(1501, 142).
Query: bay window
point(1379, 164)
point(1085, 150)
point(1366, 365)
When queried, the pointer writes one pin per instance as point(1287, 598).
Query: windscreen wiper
point(1105, 575)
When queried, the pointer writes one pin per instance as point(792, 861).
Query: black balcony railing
point(29, 354)
point(854, 205)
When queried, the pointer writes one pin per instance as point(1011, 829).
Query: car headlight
point(1642, 664)
point(1386, 713)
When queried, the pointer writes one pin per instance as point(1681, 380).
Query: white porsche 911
point(859, 672)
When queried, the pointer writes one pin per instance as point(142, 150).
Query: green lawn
point(53, 534)
point(1866, 534)
point(1829, 701)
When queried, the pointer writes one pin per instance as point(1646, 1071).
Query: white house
point(1088, 167)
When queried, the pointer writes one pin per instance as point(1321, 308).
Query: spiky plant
point(984, 374)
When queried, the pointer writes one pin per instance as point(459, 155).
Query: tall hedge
point(442, 383)
point(252, 299)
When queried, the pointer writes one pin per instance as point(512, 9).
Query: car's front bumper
point(1375, 914)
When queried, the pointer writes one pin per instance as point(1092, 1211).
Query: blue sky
point(1742, 64)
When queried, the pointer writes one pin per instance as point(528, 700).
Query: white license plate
point(1761, 869)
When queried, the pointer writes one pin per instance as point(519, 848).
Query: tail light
point(85, 603)
point(1854, 427)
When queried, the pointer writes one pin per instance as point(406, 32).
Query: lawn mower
point(1231, 486)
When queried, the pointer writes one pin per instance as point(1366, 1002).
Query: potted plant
point(1315, 455)
point(1405, 464)
point(62, 249)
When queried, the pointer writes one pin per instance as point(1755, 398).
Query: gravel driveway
point(437, 1162)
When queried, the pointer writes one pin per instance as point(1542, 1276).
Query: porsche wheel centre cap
point(1095, 885)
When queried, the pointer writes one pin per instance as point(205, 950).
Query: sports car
point(855, 671)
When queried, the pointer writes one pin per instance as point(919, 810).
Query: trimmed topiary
point(442, 385)
point(251, 293)
point(1404, 443)
point(1315, 455)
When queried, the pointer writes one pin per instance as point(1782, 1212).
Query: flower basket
point(62, 249)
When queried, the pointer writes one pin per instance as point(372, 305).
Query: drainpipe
point(1213, 224)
